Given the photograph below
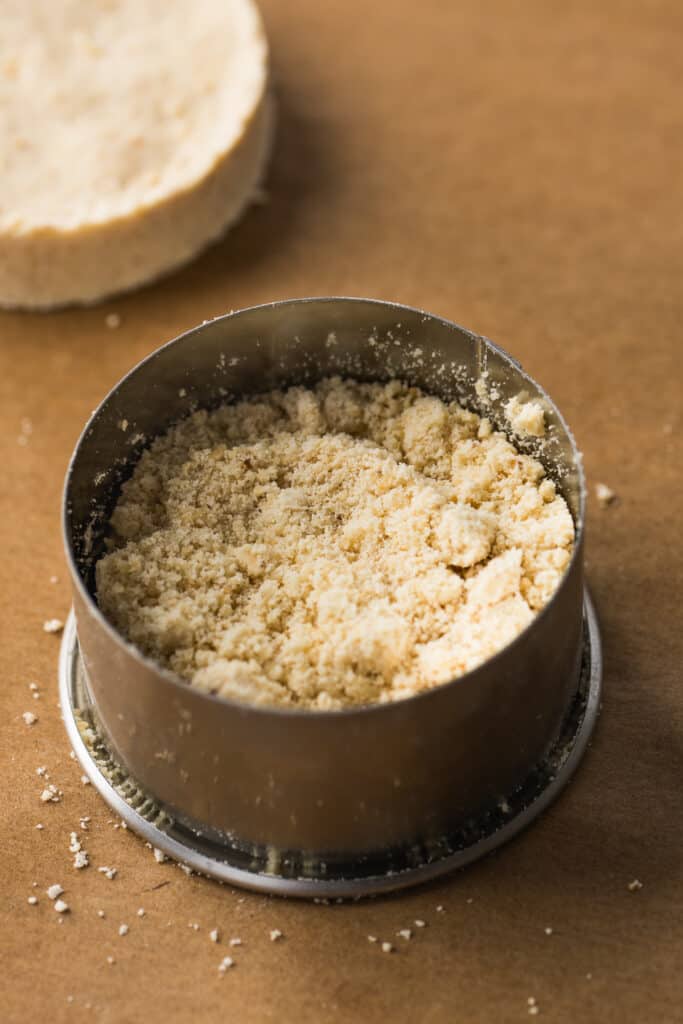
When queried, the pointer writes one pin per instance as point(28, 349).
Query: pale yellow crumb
point(53, 626)
point(604, 494)
point(526, 418)
point(355, 543)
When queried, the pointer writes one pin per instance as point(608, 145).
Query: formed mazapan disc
point(133, 133)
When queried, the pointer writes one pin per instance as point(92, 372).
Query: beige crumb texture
point(604, 494)
point(526, 418)
point(351, 544)
point(160, 111)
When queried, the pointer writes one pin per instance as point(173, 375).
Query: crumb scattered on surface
point(112, 321)
point(159, 856)
point(61, 907)
point(355, 543)
point(51, 795)
point(372, 938)
point(54, 891)
point(141, 912)
point(235, 942)
point(214, 935)
point(548, 931)
point(419, 923)
point(604, 494)
point(32, 900)
point(29, 717)
point(226, 963)
point(405, 933)
point(387, 947)
point(275, 934)
point(123, 929)
point(108, 872)
point(635, 885)
point(53, 626)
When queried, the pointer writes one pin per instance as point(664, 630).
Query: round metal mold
point(305, 794)
point(265, 871)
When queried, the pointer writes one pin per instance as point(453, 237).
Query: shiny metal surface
point(351, 879)
point(319, 787)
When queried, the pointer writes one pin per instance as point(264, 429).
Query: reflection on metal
point(267, 870)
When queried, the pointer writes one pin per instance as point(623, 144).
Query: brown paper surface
point(515, 167)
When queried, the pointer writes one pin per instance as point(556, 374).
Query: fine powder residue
point(344, 545)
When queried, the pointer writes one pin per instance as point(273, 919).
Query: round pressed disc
point(133, 135)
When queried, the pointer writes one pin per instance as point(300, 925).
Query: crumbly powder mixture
point(345, 545)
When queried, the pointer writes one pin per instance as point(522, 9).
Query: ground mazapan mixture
point(349, 544)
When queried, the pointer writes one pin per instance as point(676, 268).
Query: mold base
point(282, 874)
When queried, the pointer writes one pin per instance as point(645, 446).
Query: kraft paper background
point(515, 167)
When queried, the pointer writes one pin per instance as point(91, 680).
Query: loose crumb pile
point(345, 545)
